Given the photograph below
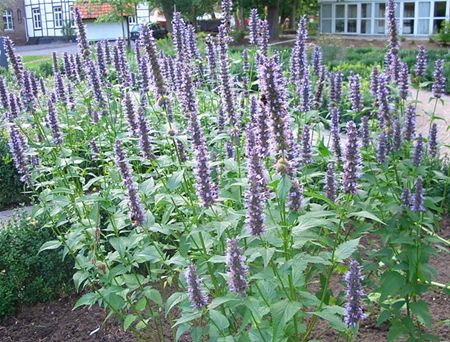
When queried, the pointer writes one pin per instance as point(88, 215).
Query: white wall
point(100, 31)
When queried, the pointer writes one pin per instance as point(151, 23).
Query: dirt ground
point(423, 120)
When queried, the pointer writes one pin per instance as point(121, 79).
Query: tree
point(190, 9)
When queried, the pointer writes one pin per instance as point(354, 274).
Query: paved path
point(7, 214)
point(423, 120)
point(46, 49)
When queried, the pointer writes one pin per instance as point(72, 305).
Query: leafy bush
point(11, 190)
point(444, 33)
point(27, 277)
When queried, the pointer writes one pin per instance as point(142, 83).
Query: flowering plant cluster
point(225, 207)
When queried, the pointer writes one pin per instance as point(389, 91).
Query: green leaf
point(53, 244)
point(175, 299)
point(391, 282)
point(331, 316)
point(367, 215)
point(188, 318)
point(128, 321)
point(283, 187)
point(282, 312)
point(87, 299)
point(175, 180)
point(217, 259)
point(222, 300)
point(154, 295)
point(346, 249)
point(219, 319)
point(420, 309)
point(140, 306)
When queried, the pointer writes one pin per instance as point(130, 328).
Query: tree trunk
point(292, 23)
point(273, 19)
point(167, 8)
point(241, 14)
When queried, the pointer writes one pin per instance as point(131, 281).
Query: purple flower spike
point(352, 160)
point(206, 189)
point(60, 90)
point(305, 90)
point(256, 191)
point(236, 269)
point(226, 81)
point(211, 58)
point(227, 7)
point(299, 61)
point(418, 151)
point(417, 201)
point(130, 115)
point(410, 123)
point(405, 198)
point(4, 100)
point(253, 26)
point(19, 150)
point(318, 94)
point(306, 145)
point(197, 296)
point(15, 60)
point(382, 148)
point(317, 59)
point(330, 187)
point(403, 81)
point(54, 123)
point(335, 132)
point(263, 37)
point(364, 131)
point(354, 310)
point(273, 88)
point(144, 136)
point(397, 136)
point(295, 196)
point(421, 61)
point(95, 151)
point(432, 141)
point(137, 214)
point(355, 93)
point(83, 43)
point(374, 83)
point(438, 87)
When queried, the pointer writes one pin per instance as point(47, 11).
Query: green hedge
point(11, 189)
point(27, 277)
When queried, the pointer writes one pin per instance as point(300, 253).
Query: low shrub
point(27, 277)
point(12, 190)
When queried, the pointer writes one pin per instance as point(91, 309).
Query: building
point(98, 30)
point(419, 18)
point(47, 20)
point(14, 21)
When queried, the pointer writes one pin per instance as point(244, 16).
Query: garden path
point(7, 214)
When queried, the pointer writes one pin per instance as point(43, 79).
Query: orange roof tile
point(93, 11)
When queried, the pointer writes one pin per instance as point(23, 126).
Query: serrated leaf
point(219, 319)
point(420, 309)
point(87, 299)
point(346, 249)
point(175, 299)
point(283, 312)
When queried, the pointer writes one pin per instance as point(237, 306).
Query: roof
point(94, 11)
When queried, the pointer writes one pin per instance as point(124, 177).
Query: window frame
point(60, 19)
point(8, 20)
point(36, 14)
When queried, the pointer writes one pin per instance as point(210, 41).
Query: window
point(340, 19)
point(132, 20)
point(352, 16)
point(37, 23)
point(72, 19)
point(366, 15)
point(408, 18)
point(326, 18)
point(423, 23)
point(380, 12)
point(58, 16)
point(8, 24)
point(439, 15)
